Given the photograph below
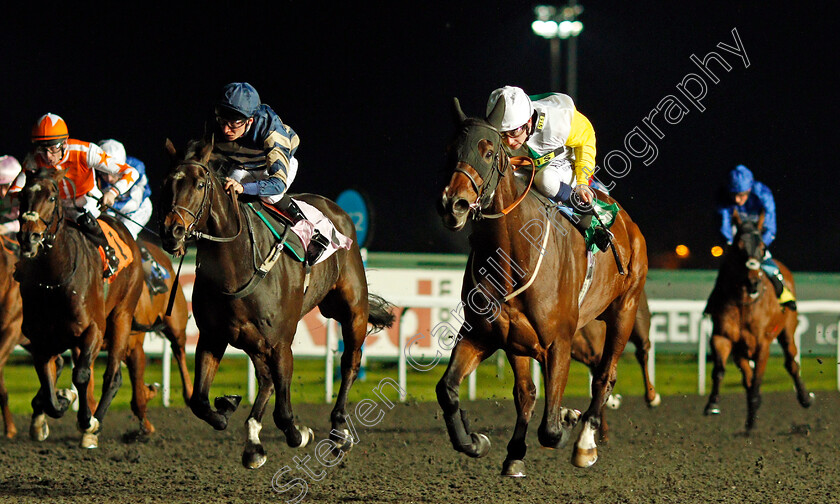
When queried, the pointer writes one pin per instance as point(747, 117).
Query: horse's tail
point(381, 314)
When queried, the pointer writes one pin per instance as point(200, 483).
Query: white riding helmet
point(9, 169)
point(518, 107)
point(114, 149)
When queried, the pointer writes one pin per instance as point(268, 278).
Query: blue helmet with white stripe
point(740, 179)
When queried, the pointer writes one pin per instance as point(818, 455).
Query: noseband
point(190, 231)
point(48, 236)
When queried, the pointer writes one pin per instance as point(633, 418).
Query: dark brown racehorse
point(11, 315)
point(232, 243)
point(521, 293)
point(151, 316)
point(588, 345)
point(67, 305)
point(747, 317)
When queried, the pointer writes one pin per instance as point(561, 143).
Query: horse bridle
point(484, 197)
point(48, 236)
point(190, 230)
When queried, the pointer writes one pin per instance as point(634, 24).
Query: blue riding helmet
point(740, 179)
point(238, 99)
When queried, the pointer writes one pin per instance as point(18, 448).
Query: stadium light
point(554, 24)
point(717, 251)
point(682, 251)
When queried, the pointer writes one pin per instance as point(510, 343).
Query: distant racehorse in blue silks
point(747, 318)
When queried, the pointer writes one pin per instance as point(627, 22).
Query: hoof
point(226, 405)
point(306, 436)
point(513, 468)
point(613, 401)
point(482, 445)
point(89, 440)
point(344, 443)
point(656, 401)
point(808, 401)
point(712, 409)
point(38, 429)
point(11, 432)
point(584, 457)
point(253, 457)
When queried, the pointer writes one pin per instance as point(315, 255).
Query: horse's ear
point(460, 117)
point(206, 150)
point(170, 149)
point(495, 117)
point(736, 217)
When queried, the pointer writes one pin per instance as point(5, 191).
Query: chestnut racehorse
point(237, 303)
point(521, 293)
point(11, 315)
point(747, 317)
point(68, 305)
point(150, 316)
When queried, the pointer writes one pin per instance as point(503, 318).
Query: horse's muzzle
point(173, 238)
point(30, 244)
point(454, 211)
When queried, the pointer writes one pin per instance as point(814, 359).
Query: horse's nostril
point(460, 206)
point(178, 232)
point(34, 238)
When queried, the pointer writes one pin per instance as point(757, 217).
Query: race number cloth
point(317, 220)
point(121, 249)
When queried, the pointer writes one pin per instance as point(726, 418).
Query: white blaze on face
point(30, 216)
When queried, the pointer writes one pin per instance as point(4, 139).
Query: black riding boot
point(152, 271)
point(290, 207)
point(90, 226)
point(318, 244)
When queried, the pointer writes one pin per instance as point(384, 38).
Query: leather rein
point(191, 232)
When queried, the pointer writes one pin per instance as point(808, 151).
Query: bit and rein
point(191, 232)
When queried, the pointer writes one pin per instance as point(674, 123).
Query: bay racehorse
point(747, 317)
point(588, 346)
point(521, 290)
point(11, 316)
point(231, 244)
point(68, 305)
point(151, 316)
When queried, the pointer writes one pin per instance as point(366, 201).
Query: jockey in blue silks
point(751, 198)
point(252, 135)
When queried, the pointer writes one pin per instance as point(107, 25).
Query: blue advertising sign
point(356, 206)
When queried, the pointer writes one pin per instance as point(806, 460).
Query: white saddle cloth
point(315, 219)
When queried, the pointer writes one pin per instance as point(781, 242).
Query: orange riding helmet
point(50, 129)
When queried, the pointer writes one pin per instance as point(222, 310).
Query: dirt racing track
point(671, 454)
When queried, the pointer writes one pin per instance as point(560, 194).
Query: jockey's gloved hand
point(585, 193)
point(108, 198)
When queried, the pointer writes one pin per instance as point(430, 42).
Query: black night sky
point(369, 88)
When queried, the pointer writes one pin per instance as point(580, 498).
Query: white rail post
point(535, 377)
point(471, 384)
point(402, 371)
point(166, 368)
point(328, 362)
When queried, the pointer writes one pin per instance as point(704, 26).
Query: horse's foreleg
point(465, 357)
point(83, 359)
point(47, 400)
point(524, 397)
point(641, 340)
point(297, 436)
point(788, 345)
point(754, 390)
point(207, 359)
point(618, 332)
point(721, 347)
point(557, 422)
point(253, 456)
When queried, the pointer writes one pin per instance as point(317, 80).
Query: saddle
point(279, 224)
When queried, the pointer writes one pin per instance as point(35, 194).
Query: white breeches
point(245, 176)
point(549, 178)
point(138, 218)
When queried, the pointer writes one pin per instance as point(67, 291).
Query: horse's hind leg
point(140, 392)
point(721, 348)
point(253, 456)
point(641, 340)
point(557, 422)
point(788, 345)
point(353, 331)
point(524, 397)
point(620, 317)
point(465, 357)
point(754, 389)
point(297, 436)
point(8, 339)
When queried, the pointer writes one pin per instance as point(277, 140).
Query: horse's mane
point(219, 164)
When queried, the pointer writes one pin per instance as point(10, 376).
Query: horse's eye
point(488, 154)
point(200, 185)
point(52, 199)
